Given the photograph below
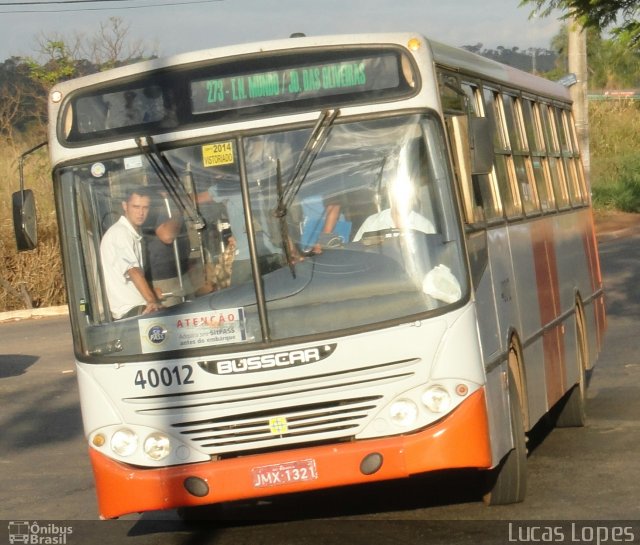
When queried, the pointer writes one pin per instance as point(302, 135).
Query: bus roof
point(452, 57)
point(464, 61)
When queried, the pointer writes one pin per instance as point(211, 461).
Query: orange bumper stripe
point(460, 440)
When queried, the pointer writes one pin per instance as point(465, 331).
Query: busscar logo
point(22, 531)
point(271, 360)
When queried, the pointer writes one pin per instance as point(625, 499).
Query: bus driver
point(128, 291)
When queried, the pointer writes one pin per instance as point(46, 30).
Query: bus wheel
point(507, 483)
point(572, 413)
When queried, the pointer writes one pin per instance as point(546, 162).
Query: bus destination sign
point(295, 83)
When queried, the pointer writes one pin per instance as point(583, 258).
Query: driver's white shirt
point(383, 220)
point(121, 250)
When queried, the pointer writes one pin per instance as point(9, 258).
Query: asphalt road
point(588, 477)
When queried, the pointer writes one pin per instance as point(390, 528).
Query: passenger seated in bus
point(341, 215)
point(392, 218)
point(323, 226)
point(128, 291)
point(400, 214)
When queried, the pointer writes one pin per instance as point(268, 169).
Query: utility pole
point(577, 53)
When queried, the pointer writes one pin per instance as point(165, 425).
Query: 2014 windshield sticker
point(192, 330)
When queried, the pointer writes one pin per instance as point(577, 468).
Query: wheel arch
point(515, 362)
point(581, 332)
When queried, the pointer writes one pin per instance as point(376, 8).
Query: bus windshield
point(362, 230)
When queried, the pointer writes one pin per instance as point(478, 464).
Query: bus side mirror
point(24, 220)
point(481, 145)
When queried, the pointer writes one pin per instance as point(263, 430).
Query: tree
point(17, 98)
point(531, 60)
point(62, 57)
point(10, 98)
point(25, 82)
point(59, 64)
point(611, 64)
point(112, 46)
point(621, 16)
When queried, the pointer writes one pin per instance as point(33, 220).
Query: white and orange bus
point(384, 264)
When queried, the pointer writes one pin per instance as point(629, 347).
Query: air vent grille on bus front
point(334, 418)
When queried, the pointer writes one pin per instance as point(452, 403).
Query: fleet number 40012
point(177, 375)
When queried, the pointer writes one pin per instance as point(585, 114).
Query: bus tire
point(507, 483)
point(572, 409)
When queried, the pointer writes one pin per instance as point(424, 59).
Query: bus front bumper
point(461, 440)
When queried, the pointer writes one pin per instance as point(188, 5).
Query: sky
point(166, 27)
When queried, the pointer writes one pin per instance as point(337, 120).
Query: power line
point(47, 2)
point(61, 2)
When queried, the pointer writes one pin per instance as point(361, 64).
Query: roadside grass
point(28, 278)
point(614, 132)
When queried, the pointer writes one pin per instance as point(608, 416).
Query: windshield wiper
point(171, 181)
point(284, 228)
point(287, 193)
point(378, 196)
point(316, 141)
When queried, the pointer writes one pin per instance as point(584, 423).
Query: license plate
point(288, 472)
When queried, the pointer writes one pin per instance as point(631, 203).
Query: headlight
point(436, 399)
point(403, 412)
point(157, 446)
point(124, 442)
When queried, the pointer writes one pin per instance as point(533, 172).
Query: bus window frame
point(509, 192)
point(558, 166)
point(541, 154)
point(495, 212)
point(554, 156)
point(459, 133)
point(530, 202)
point(577, 158)
point(570, 155)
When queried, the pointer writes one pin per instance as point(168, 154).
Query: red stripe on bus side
point(548, 290)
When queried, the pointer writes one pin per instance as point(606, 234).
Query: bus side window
point(553, 156)
point(521, 155)
point(569, 152)
point(538, 156)
point(457, 127)
point(505, 170)
point(477, 190)
point(485, 191)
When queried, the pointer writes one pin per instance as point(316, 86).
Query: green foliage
point(615, 161)
point(621, 15)
point(623, 196)
point(60, 65)
point(612, 65)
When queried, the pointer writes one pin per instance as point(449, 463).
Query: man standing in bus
point(167, 245)
point(128, 291)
